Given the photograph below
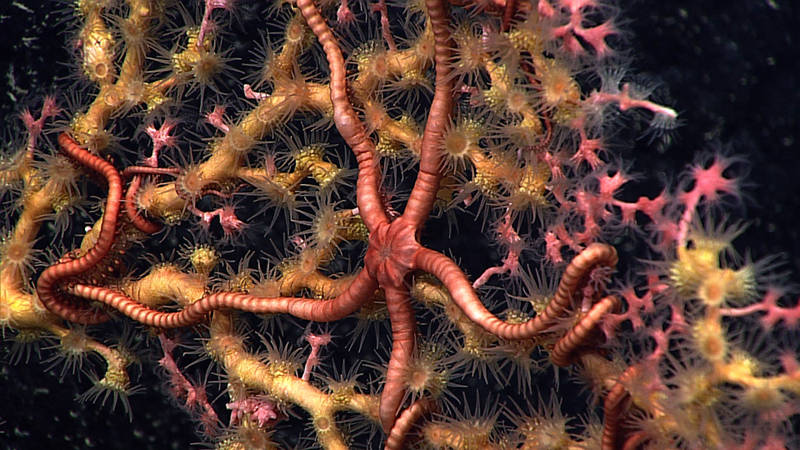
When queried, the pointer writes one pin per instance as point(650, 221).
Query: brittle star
point(393, 252)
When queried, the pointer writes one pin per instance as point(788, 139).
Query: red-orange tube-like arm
point(420, 201)
point(464, 296)
point(48, 281)
point(142, 224)
point(615, 406)
point(404, 329)
point(396, 440)
point(565, 350)
point(359, 292)
point(370, 206)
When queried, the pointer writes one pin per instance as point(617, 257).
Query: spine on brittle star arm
point(46, 286)
point(347, 122)
point(359, 292)
point(464, 296)
point(401, 315)
point(421, 199)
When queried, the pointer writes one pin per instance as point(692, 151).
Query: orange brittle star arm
point(578, 337)
point(420, 201)
point(358, 292)
point(464, 296)
point(395, 246)
point(48, 281)
point(142, 224)
point(347, 122)
point(407, 419)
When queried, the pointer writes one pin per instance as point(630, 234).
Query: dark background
point(728, 67)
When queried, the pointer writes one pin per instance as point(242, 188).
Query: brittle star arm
point(361, 290)
point(464, 296)
point(138, 221)
point(577, 338)
point(404, 330)
point(408, 418)
point(46, 286)
point(420, 201)
point(347, 122)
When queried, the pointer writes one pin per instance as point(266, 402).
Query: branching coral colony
point(280, 228)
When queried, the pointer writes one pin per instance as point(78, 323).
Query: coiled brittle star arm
point(464, 296)
point(615, 405)
point(358, 292)
point(568, 347)
point(48, 281)
point(138, 221)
